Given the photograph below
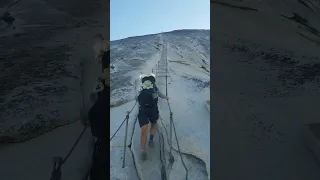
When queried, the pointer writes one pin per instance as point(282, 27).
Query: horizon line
point(154, 34)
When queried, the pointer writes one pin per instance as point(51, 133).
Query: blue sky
point(141, 17)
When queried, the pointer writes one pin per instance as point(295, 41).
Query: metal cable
point(74, 145)
point(174, 129)
point(10, 6)
point(127, 117)
point(162, 157)
point(175, 133)
point(58, 161)
point(185, 167)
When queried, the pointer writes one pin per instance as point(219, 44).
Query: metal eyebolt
point(57, 162)
point(56, 172)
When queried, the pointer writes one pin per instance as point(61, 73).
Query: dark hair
point(150, 78)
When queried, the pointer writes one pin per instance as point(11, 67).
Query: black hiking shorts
point(147, 115)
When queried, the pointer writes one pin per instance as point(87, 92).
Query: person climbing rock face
point(148, 110)
point(97, 116)
point(98, 120)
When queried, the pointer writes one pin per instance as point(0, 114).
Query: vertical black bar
point(166, 72)
point(125, 141)
point(167, 84)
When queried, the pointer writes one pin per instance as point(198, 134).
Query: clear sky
point(141, 17)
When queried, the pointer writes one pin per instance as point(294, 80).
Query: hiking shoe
point(151, 144)
point(143, 156)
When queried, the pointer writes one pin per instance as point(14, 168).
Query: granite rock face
point(132, 55)
point(40, 64)
point(185, 56)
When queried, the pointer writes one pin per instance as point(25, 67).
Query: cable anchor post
point(56, 170)
point(171, 159)
point(125, 139)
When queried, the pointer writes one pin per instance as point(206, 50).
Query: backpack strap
point(155, 90)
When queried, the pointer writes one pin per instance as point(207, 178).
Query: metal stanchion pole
point(125, 141)
point(170, 152)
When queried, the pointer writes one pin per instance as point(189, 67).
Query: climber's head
point(151, 77)
point(148, 81)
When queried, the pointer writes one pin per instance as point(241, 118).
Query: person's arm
point(161, 95)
